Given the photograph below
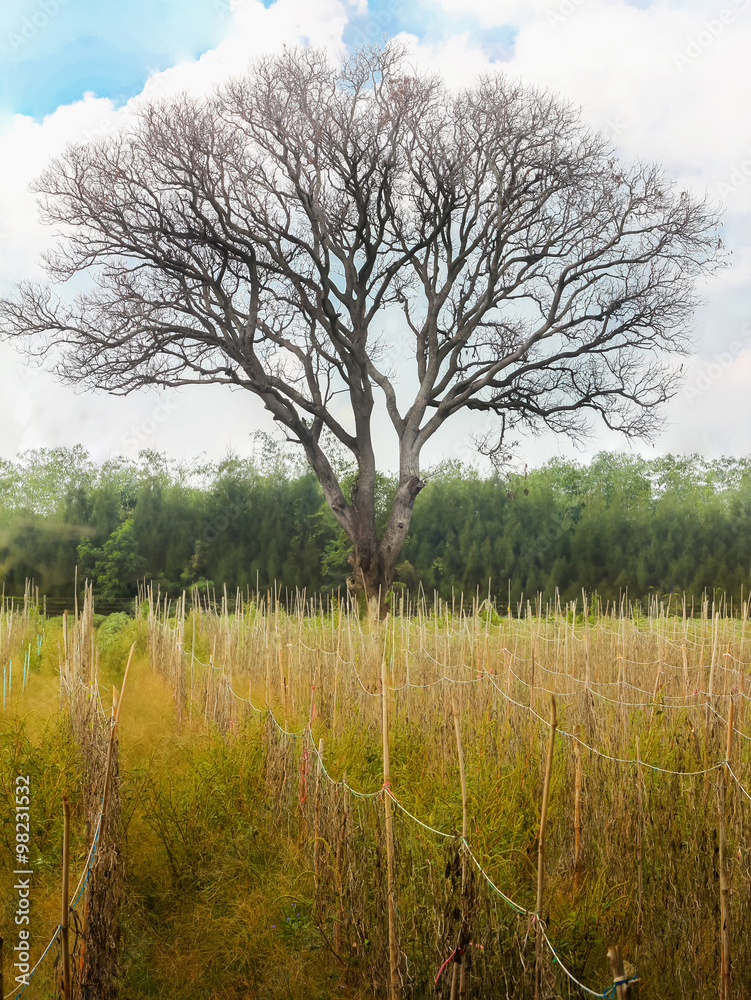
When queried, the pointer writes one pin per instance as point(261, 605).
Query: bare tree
point(261, 237)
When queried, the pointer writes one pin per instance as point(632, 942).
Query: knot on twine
point(620, 981)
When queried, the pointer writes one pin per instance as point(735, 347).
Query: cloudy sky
point(669, 81)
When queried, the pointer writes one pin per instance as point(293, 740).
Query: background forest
point(666, 524)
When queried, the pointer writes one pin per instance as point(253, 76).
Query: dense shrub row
point(669, 524)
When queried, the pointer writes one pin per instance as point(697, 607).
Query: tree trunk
point(369, 584)
point(374, 560)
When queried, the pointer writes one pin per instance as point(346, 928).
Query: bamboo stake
point(710, 690)
point(117, 703)
point(341, 847)
point(193, 659)
point(113, 736)
point(640, 910)
point(65, 909)
point(578, 866)
point(337, 660)
point(65, 645)
point(532, 701)
point(317, 831)
point(624, 714)
point(724, 873)
point(742, 661)
point(622, 990)
point(395, 987)
point(282, 683)
point(458, 980)
point(686, 683)
point(658, 685)
point(541, 846)
point(742, 696)
point(268, 654)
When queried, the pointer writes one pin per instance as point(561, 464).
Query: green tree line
point(666, 524)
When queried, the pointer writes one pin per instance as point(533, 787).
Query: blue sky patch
point(53, 51)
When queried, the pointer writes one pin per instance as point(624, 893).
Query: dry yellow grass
point(218, 846)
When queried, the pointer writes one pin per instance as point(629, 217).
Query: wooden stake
point(541, 846)
point(742, 696)
point(395, 986)
point(709, 724)
point(640, 910)
point(192, 659)
point(65, 645)
point(686, 683)
point(724, 873)
point(283, 683)
point(578, 865)
point(341, 847)
point(658, 685)
point(532, 701)
point(113, 737)
point(622, 990)
point(336, 671)
point(458, 979)
point(317, 830)
point(268, 654)
point(65, 909)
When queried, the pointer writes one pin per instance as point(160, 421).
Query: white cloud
point(35, 409)
point(678, 89)
point(26, 145)
point(668, 81)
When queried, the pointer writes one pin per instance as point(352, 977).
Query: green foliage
point(663, 525)
point(116, 566)
point(115, 636)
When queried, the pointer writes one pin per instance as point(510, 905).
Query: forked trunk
point(373, 565)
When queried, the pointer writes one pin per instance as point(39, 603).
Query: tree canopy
point(260, 236)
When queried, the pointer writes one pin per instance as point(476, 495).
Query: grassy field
point(251, 802)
